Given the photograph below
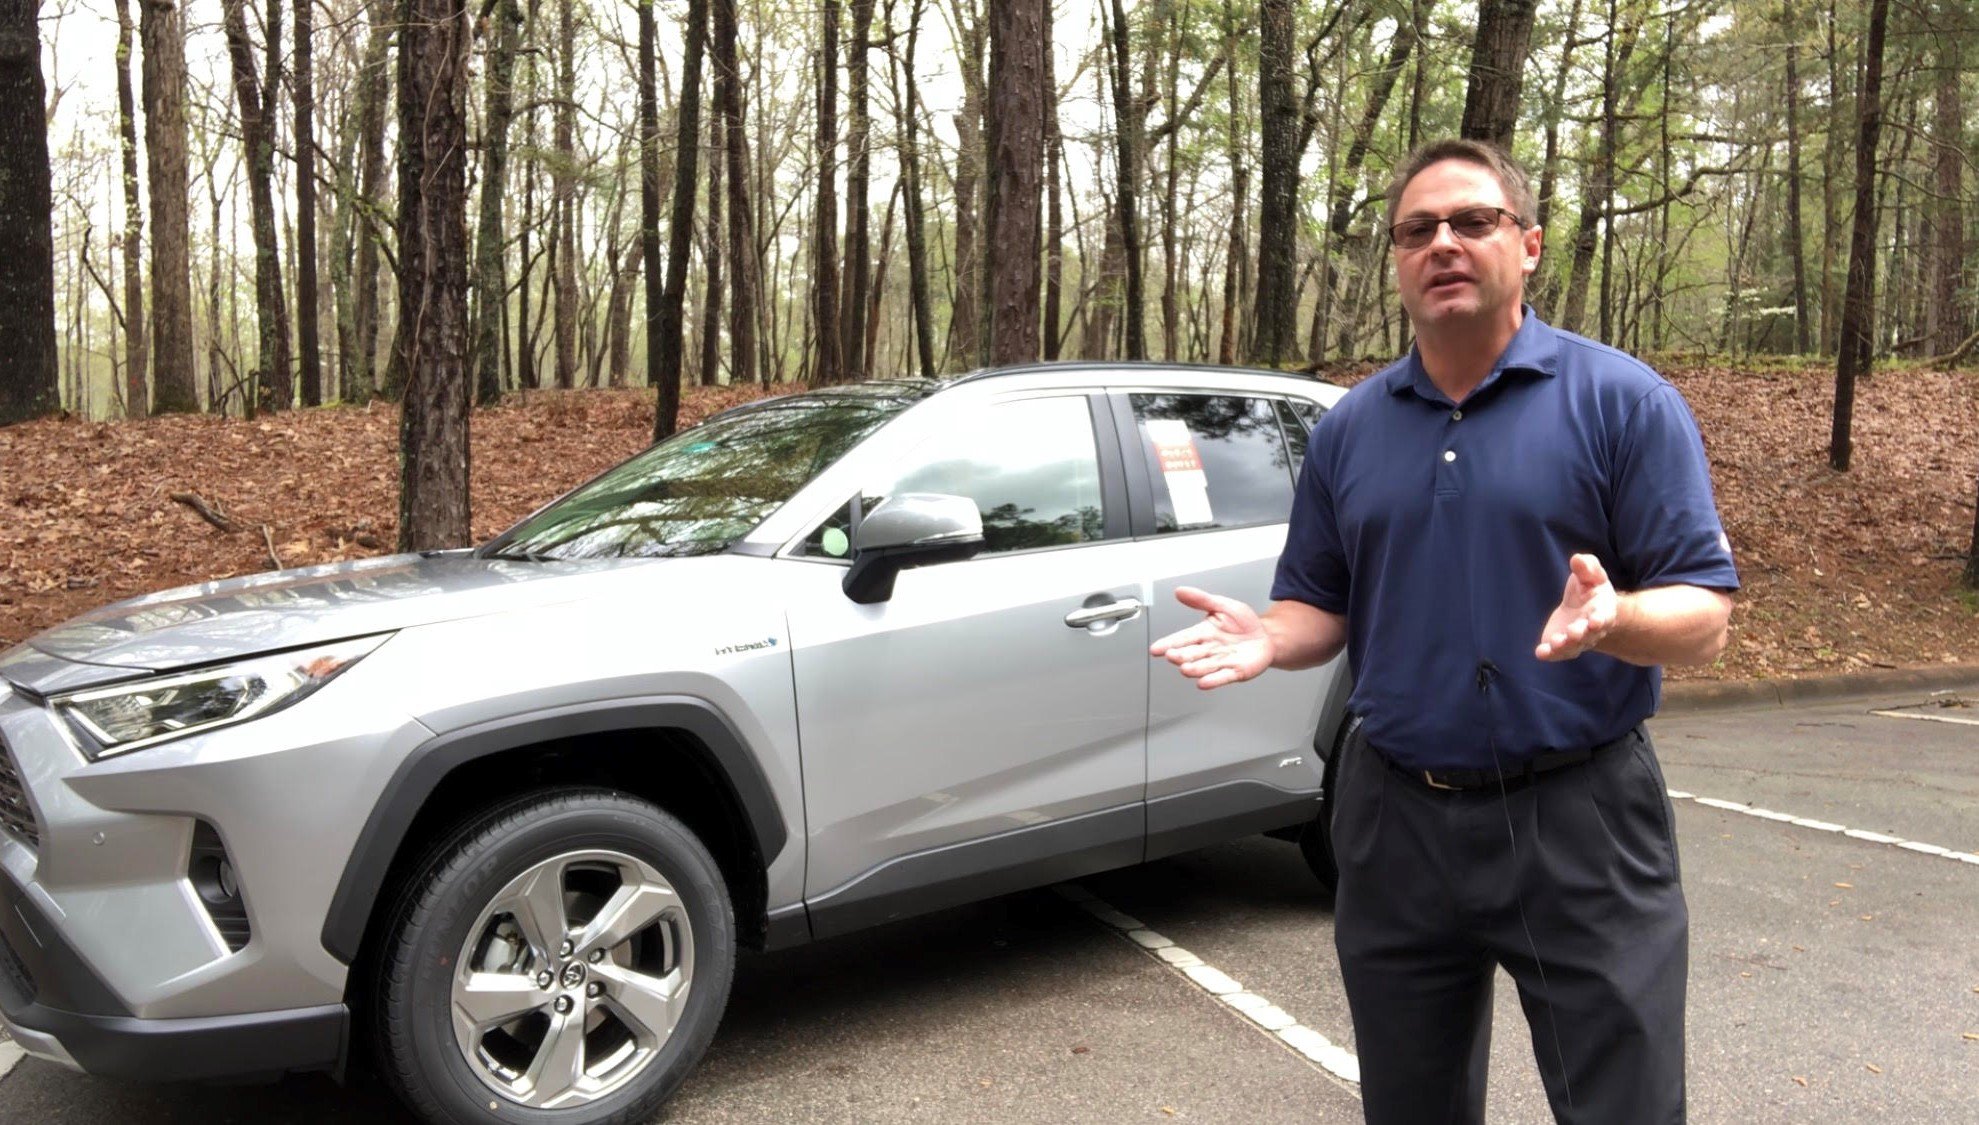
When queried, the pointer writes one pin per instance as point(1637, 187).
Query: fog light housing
point(211, 871)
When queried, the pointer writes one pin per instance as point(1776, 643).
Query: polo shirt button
point(1456, 416)
point(1449, 455)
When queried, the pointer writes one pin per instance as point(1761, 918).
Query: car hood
point(216, 621)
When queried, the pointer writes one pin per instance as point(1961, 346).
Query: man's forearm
point(1302, 635)
point(1669, 625)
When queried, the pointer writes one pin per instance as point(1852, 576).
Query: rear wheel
point(564, 958)
point(1316, 838)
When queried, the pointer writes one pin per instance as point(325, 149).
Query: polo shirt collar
point(1535, 348)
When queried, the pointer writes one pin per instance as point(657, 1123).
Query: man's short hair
point(1518, 192)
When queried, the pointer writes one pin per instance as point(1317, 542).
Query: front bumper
point(57, 1009)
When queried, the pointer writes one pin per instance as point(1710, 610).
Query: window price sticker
point(1182, 471)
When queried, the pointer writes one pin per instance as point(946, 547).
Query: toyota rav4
point(500, 818)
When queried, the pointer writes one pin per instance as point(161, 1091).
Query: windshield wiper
point(517, 554)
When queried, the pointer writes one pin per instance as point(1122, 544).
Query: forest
point(237, 209)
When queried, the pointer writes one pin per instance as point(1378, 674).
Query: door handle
point(1113, 611)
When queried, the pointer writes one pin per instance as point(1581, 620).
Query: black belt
point(1518, 774)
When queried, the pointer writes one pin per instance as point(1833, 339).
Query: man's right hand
point(1230, 645)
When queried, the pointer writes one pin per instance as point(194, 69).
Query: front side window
point(1218, 461)
point(702, 489)
point(1031, 466)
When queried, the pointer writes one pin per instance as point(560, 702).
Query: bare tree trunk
point(30, 381)
point(1278, 210)
point(257, 131)
point(563, 196)
point(1170, 267)
point(136, 397)
point(1491, 100)
point(741, 236)
point(308, 340)
point(649, 261)
point(161, 26)
point(432, 225)
point(667, 326)
point(965, 318)
point(353, 233)
point(527, 376)
point(490, 276)
point(1017, 99)
point(1796, 236)
point(1233, 264)
point(876, 298)
point(1547, 286)
point(214, 353)
point(618, 306)
point(1127, 138)
point(858, 185)
point(1347, 181)
point(1831, 223)
point(711, 308)
point(1945, 317)
point(917, 240)
point(1054, 158)
point(1970, 576)
point(1601, 184)
point(1858, 333)
point(1238, 253)
point(824, 233)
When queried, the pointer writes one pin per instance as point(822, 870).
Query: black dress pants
point(1569, 881)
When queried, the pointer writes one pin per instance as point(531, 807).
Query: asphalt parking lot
point(1834, 975)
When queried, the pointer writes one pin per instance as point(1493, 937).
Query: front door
point(964, 738)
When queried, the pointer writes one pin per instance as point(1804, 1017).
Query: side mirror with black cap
point(908, 530)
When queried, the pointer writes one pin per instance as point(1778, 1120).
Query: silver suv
point(504, 816)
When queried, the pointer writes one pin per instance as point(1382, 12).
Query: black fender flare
point(427, 765)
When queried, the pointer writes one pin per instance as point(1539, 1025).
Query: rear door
point(965, 738)
point(1212, 476)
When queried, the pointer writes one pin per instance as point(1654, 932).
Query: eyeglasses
point(1470, 224)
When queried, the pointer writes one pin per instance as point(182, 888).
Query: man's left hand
point(1585, 615)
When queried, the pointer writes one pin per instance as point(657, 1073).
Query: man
point(1509, 530)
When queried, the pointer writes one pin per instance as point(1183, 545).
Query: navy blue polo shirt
point(1442, 531)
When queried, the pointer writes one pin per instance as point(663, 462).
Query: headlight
point(128, 716)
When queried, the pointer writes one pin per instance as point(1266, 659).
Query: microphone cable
point(1486, 672)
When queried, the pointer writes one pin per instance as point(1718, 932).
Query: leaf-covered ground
point(1842, 571)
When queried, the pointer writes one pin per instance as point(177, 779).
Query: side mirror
point(911, 529)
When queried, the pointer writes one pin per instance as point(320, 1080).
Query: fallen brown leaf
point(1812, 545)
point(1798, 1080)
point(1873, 1068)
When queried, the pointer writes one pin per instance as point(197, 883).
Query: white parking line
point(1927, 717)
point(10, 1053)
point(1862, 834)
point(1317, 1048)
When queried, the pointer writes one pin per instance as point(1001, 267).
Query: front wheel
point(563, 958)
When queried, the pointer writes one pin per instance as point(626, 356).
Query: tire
point(585, 1005)
point(1316, 838)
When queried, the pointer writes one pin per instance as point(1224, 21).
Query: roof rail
point(1114, 365)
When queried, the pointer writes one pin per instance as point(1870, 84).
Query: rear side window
point(1297, 430)
point(1217, 461)
point(1308, 411)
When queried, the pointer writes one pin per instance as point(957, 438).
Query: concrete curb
point(1716, 695)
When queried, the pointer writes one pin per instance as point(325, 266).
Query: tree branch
point(1188, 110)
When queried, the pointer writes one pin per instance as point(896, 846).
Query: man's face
point(1454, 279)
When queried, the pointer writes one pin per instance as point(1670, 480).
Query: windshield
point(702, 489)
